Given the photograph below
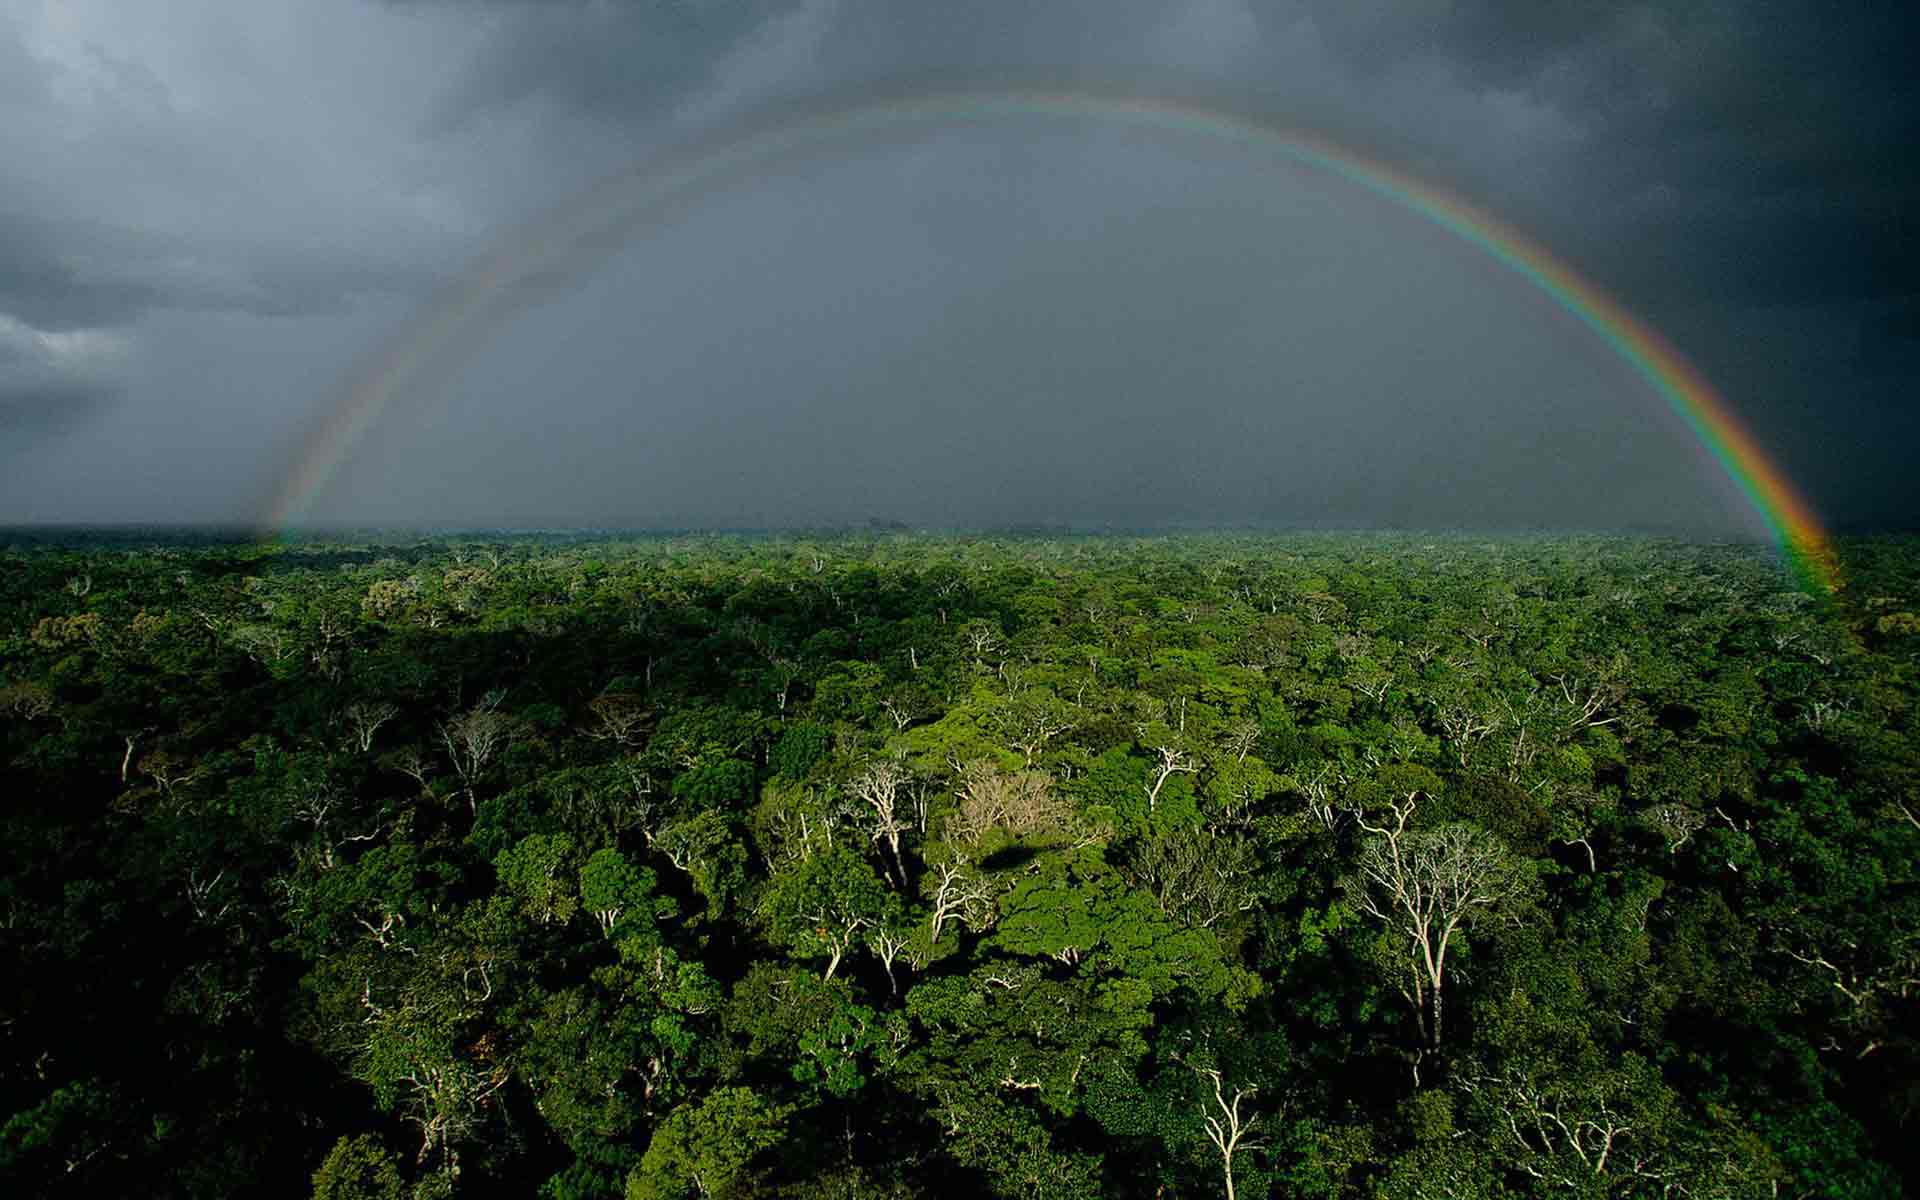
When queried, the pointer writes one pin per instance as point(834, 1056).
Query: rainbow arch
point(557, 248)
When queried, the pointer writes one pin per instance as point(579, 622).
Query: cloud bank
point(213, 211)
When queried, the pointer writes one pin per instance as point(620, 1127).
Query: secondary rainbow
point(556, 249)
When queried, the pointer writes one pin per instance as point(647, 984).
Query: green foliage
point(614, 891)
point(70, 1126)
point(558, 866)
point(715, 784)
point(819, 907)
point(801, 747)
point(1082, 912)
point(538, 874)
point(705, 1150)
point(359, 1168)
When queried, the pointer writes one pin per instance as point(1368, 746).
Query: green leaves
point(801, 747)
point(359, 1168)
point(75, 1124)
point(821, 907)
point(613, 891)
point(1081, 914)
point(539, 873)
point(704, 1150)
point(744, 867)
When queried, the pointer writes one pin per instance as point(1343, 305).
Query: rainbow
point(557, 248)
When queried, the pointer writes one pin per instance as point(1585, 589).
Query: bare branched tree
point(1465, 726)
point(1866, 980)
point(1319, 789)
point(1675, 822)
point(322, 806)
point(982, 639)
point(1033, 721)
point(619, 717)
point(26, 701)
point(1242, 736)
point(169, 772)
point(365, 718)
point(880, 788)
point(1171, 761)
point(1228, 1126)
point(1428, 886)
point(473, 738)
point(1560, 1141)
point(904, 706)
point(1197, 877)
point(890, 943)
point(956, 895)
point(415, 765)
point(1020, 802)
point(200, 896)
point(1588, 701)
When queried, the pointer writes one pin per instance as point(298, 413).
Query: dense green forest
point(888, 866)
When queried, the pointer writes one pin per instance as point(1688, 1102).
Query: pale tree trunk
point(1429, 885)
point(1230, 1130)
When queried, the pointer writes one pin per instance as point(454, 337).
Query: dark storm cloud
point(622, 58)
point(28, 417)
point(41, 284)
point(67, 275)
point(1764, 143)
point(223, 207)
point(1117, 334)
point(118, 202)
point(52, 383)
point(1901, 325)
point(1746, 150)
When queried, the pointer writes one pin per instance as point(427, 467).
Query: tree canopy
point(728, 866)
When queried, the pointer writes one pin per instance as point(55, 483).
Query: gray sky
point(210, 213)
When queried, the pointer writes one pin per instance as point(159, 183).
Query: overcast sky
point(214, 214)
